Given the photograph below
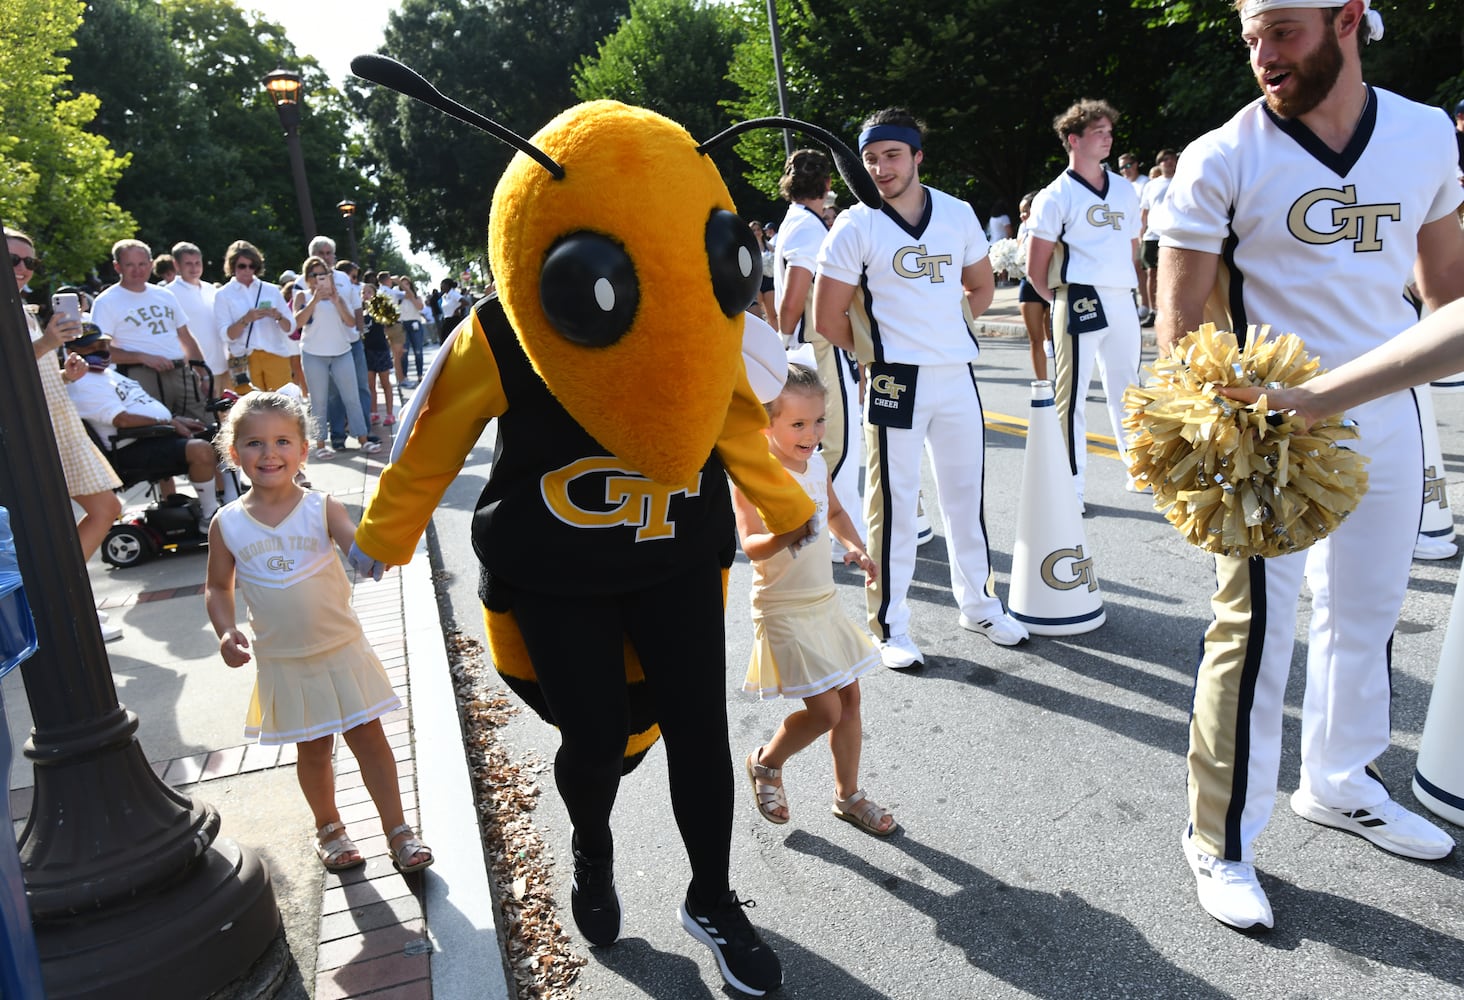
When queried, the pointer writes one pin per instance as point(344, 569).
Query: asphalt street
point(1041, 792)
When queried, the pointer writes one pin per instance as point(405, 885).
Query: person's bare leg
point(100, 512)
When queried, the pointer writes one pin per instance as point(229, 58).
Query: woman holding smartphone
point(89, 479)
point(328, 328)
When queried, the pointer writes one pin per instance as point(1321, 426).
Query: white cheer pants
point(1358, 577)
point(949, 424)
point(1118, 346)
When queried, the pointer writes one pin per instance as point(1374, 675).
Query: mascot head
point(624, 269)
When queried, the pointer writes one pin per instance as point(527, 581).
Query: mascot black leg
point(576, 645)
point(677, 628)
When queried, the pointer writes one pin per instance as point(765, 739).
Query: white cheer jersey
point(799, 240)
point(1314, 242)
point(1093, 230)
point(908, 278)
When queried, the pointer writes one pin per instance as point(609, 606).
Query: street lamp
point(778, 77)
point(348, 212)
point(285, 90)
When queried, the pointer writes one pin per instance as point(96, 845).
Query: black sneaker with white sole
point(593, 898)
point(745, 960)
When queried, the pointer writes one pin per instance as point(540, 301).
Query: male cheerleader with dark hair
point(913, 263)
point(1310, 210)
point(1085, 231)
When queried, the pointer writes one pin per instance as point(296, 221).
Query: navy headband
point(894, 133)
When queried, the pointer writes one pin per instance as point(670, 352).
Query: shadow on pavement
point(1047, 944)
point(675, 977)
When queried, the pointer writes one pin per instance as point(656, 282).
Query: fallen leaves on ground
point(539, 952)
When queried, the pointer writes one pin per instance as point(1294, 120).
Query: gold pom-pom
point(1234, 478)
point(382, 309)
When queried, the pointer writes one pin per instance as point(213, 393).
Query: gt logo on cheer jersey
point(915, 262)
point(1350, 221)
point(630, 498)
point(1080, 568)
point(1100, 216)
point(279, 564)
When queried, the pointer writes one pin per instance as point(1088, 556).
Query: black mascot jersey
point(562, 515)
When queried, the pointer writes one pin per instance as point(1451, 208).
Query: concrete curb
point(467, 958)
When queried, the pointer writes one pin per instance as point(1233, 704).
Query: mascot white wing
point(408, 416)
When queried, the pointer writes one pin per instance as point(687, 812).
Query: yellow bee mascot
point(611, 357)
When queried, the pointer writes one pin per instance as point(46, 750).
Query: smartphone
point(67, 304)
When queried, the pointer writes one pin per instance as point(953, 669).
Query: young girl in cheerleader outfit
point(316, 674)
point(804, 646)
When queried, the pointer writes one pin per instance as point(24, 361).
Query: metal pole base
point(188, 940)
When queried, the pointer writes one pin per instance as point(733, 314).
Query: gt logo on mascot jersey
point(925, 264)
point(630, 498)
point(1358, 223)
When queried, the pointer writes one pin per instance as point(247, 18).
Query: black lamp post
point(285, 90)
point(348, 212)
point(130, 893)
point(778, 78)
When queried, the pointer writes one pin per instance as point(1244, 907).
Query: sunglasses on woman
point(30, 262)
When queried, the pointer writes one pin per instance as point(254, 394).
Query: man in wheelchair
point(140, 437)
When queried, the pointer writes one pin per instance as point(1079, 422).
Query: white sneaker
point(1429, 547)
point(899, 652)
point(1388, 825)
point(1004, 630)
point(109, 632)
point(1228, 890)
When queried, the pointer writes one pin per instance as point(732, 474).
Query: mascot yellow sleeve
point(465, 395)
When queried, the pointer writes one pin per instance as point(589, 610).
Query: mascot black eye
point(736, 262)
point(589, 290)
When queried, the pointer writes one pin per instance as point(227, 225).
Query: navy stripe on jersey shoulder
point(917, 230)
point(1083, 181)
point(1339, 163)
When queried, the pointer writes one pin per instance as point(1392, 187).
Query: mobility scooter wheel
point(127, 545)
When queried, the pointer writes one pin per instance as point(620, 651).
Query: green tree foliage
point(671, 56)
point(181, 93)
point(509, 59)
point(987, 76)
point(56, 179)
point(1421, 56)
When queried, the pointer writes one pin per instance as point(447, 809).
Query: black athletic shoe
point(593, 899)
point(746, 962)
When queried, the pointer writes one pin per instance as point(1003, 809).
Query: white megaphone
point(1436, 528)
point(1438, 777)
point(1054, 588)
